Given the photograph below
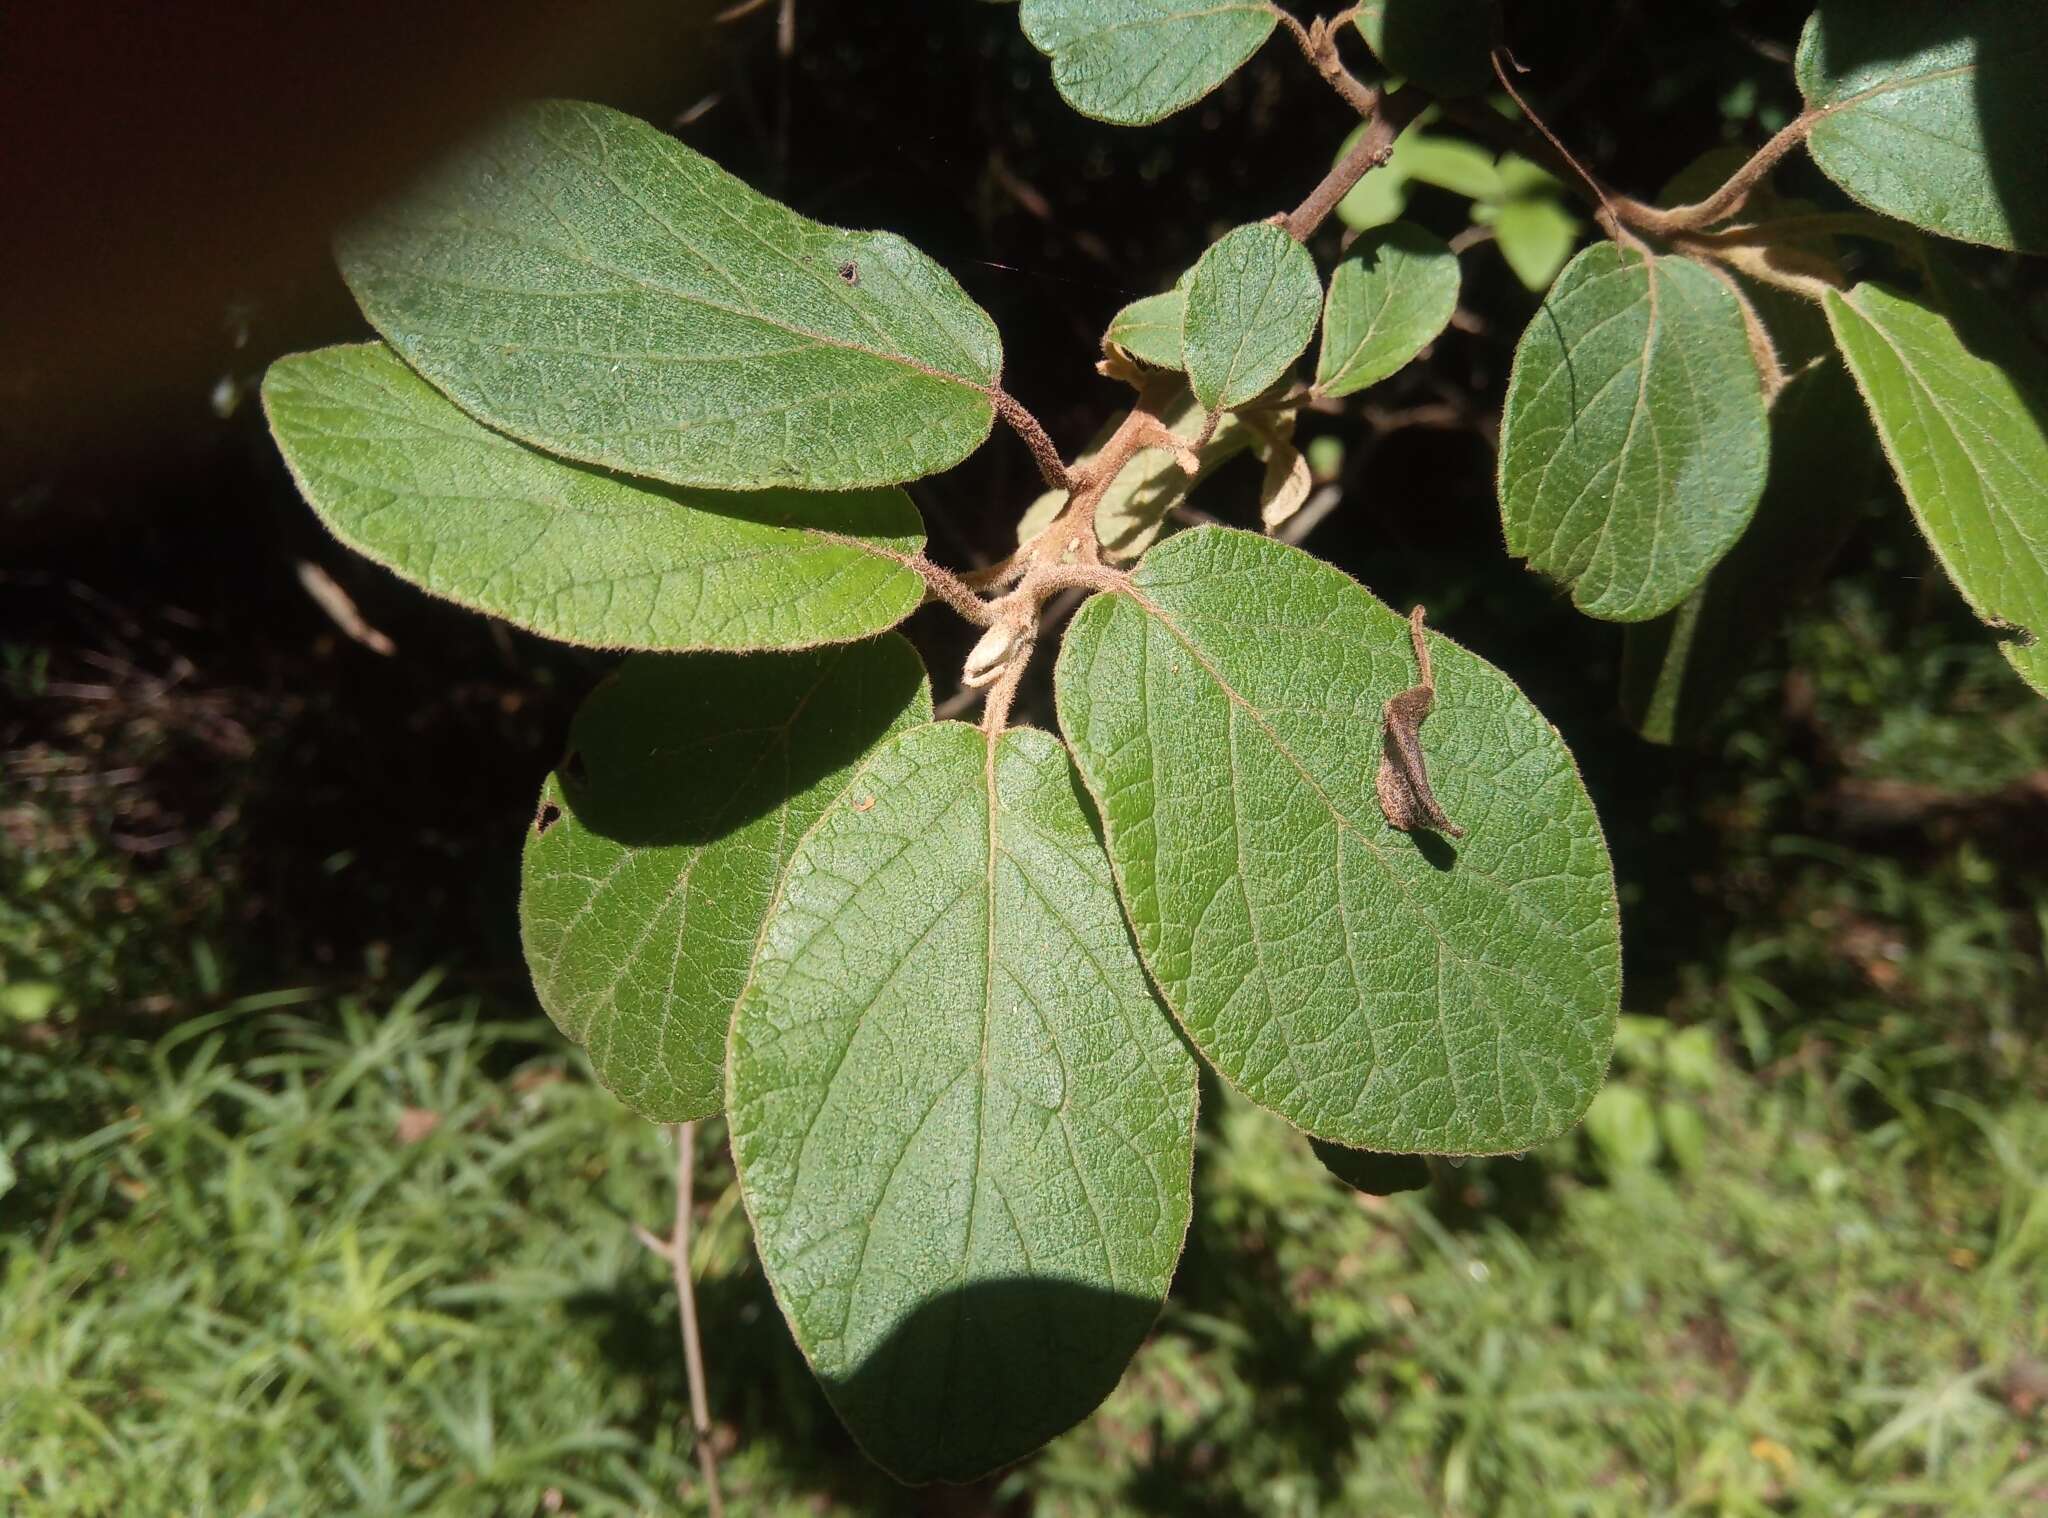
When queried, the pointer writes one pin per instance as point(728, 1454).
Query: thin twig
point(686, 1299)
point(1389, 113)
point(1318, 44)
point(1026, 426)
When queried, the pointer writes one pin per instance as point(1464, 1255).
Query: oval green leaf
point(963, 1125)
point(406, 478)
point(1633, 445)
point(1391, 297)
point(1134, 61)
point(1253, 300)
point(1149, 329)
point(1446, 46)
point(658, 845)
point(1932, 113)
point(1969, 445)
point(591, 286)
point(1380, 989)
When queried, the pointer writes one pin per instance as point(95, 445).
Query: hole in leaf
point(850, 272)
point(550, 814)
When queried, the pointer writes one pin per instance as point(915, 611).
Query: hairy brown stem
point(1730, 198)
point(1389, 113)
point(954, 591)
point(1027, 427)
point(1318, 44)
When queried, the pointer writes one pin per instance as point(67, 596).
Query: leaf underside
point(406, 478)
point(1380, 989)
point(1934, 113)
point(1969, 444)
point(657, 846)
point(963, 1124)
point(591, 286)
point(1633, 442)
point(1252, 304)
point(1135, 61)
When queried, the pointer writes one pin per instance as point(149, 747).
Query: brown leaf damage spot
point(1403, 783)
point(550, 814)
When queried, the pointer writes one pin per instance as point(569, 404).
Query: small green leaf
point(1969, 445)
point(1633, 445)
point(1135, 61)
point(1380, 989)
point(1133, 510)
point(591, 286)
point(658, 844)
point(1252, 304)
point(1623, 1128)
point(1932, 113)
point(406, 478)
point(963, 1125)
point(1371, 1172)
point(1536, 235)
point(1446, 46)
point(1678, 669)
point(1389, 299)
point(1149, 329)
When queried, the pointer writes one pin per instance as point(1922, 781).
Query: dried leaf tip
point(1403, 785)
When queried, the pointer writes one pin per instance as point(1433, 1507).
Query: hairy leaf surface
point(1969, 444)
point(1135, 61)
point(584, 282)
point(659, 842)
point(1633, 446)
point(1381, 989)
point(1391, 297)
point(963, 1123)
point(1252, 300)
point(408, 479)
point(1933, 112)
point(1149, 329)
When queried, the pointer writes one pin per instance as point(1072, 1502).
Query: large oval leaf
point(964, 1126)
point(1391, 296)
point(1970, 448)
point(585, 283)
point(658, 844)
point(1932, 113)
point(407, 479)
point(1633, 445)
point(1377, 988)
point(1252, 302)
point(1134, 61)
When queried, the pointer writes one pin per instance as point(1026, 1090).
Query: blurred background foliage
point(303, 1208)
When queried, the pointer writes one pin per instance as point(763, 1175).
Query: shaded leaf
point(1678, 669)
point(1135, 61)
point(404, 477)
point(1443, 45)
point(1633, 445)
point(1969, 444)
point(1149, 330)
point(1933, 112)
point(1379, 989)
point(657, 845)
point(1390, 297)
point(582, 281)
point(1253, 301)
point(1536, 235)
point(964, 1126)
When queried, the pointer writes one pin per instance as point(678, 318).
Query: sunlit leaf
point(964, 1125)
point(1389, 298)
point(591, 286)
point(1134, 61)
point(1149, 329)
point(1378, 988)
point(658, 843)
point(1253, 301)
point(406, 478)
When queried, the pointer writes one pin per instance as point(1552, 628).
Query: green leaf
point(1149, 329)
point(1446, 46)
point(1623, 1128)
point(657, 845)
point(1133, 510)
point(1933, 112)
point(1969, 445)
point(1252, 304)
point(1373, 1173)
point(963, 1125)
point(1536, 235)
point(1389, 299)
point(591, 286)
point(407, 479)
point(1633, 444)
point(1377, 988)
point(1678, 669)
point(1135, 61)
